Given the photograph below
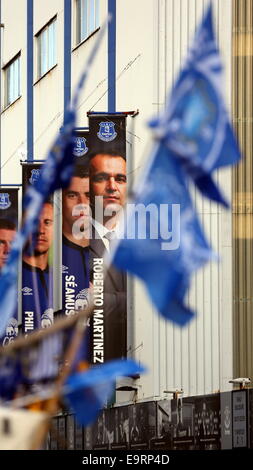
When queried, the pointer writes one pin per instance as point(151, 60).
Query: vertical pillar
point(30, 125)
point(112, 57)
point(67, 54)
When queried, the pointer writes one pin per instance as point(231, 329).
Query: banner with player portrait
point(8, 228)
point(37, 265)
point(75, 234)
point(108, 187)
point(9, 204)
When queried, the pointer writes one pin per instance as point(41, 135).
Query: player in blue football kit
point(75, 276)
point(37, 275)
point(75, 241)
point(75, 247)
point(7, 234)
point(37, 297)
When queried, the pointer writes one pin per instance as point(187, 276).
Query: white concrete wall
point(13, 119)
point(152, 39)
point(48, 91)
point(94, 95)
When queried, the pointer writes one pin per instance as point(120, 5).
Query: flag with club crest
point(195, 126)
point(56, 173)
point(162, 241)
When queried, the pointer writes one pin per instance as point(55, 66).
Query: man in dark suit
point(108, 194)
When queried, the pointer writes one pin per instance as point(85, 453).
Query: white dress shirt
point(102, 231)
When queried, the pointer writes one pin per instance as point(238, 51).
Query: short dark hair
point(81, 171)
point(111, 153)
point(49, 201)
point(7, 224)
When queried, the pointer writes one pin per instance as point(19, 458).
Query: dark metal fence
point(218, 421)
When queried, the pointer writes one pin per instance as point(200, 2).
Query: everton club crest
point(80, 148)
point(107, 131)
point(5, 202)
point(34, 176)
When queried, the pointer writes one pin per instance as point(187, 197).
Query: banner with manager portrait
point(37, 265)
point(108, 187)
point(8, 229)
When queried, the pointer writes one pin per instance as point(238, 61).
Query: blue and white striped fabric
point(56, 173)
point(164, 261)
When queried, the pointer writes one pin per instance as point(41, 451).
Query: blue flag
point(56, 173)
point(163, 243)
point(195, 127)
point(10, 377)
point(88, 392)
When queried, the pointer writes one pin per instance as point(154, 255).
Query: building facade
point(43, 49)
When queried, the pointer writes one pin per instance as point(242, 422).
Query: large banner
point(75, 233)
point(75, 237)
point(97, 188)
point(108, 188)
point(37, 268)
point(8, 228)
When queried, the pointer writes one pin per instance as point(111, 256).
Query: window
point(87, 18)
point(46, 48)
point(12, 81)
